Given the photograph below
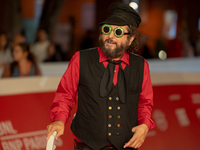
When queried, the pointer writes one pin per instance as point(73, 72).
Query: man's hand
point(55, 126)
point(139, 136)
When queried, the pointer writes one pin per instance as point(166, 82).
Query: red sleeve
point(65, 97)
point(146, 100)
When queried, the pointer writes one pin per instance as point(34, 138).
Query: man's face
point(112, 46)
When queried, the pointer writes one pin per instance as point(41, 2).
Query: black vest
point(100, 121)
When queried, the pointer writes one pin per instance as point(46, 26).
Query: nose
point(111, 35)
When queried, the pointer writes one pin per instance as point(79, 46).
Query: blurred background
point(169, 28)
point(53, 30)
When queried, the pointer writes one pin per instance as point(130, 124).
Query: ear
point(131, 39)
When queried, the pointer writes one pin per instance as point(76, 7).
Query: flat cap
point(122, 14)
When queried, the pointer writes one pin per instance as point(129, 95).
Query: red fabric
point(66, 94)
point(174, 48)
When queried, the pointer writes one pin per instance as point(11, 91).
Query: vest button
point(109, 134)
point(117, 134)
point(109, 107)
point(110, 98)
point(109, 125)
point(118, 116)
point(117, 98)
point(118, 125)
point(118, 107)
point(110, 116)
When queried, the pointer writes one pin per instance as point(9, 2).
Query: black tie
point(107, 81)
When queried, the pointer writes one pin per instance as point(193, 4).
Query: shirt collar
point(102, 57)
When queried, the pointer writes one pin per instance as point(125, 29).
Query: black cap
point(122, 14)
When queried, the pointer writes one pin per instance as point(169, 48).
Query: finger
point(134, 129)
point(135, 143)
point(138, 145)
point(138, 142)
point(131, 141)
point(59, 134)
point(48, 129)
point(49, 132)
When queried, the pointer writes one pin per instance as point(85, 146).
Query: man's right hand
point(55, 126)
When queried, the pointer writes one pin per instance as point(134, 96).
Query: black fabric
point(122, 14)
point(90, 124)
point(107, 81)
point(12, 67)
point(83, 146)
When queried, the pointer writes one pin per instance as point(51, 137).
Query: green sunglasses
point(118, 31)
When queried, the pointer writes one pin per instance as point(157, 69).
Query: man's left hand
point(139, 136)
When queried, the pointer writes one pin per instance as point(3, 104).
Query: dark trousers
point(82, 146)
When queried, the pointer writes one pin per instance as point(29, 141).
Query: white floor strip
point(21, 135)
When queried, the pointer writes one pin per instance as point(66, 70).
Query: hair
point(25, 48)
point(38, 31)
point(135, 44)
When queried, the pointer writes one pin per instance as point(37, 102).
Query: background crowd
point(21, 52)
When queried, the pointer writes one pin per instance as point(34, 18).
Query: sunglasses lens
point(106, 29)
point(118, 32)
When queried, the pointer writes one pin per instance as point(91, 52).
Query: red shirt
point(66, 94)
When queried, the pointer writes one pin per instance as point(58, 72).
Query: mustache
point(110, 41)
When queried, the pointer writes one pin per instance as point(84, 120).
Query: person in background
point(87, 40)
point(39, 49)
point(19, 38)
point(160, 45)
point(23, 65)
point(5, 52)
point(143, 48)
point(197, 45)
point(174, 48)
point(54, 53)
point(188, 50)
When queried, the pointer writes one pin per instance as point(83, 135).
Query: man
point(115, 95)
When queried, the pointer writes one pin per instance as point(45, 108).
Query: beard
point(113, 53)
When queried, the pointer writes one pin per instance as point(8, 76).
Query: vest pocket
point(84, 124)
point(81, 114)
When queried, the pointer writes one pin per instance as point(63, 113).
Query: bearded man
point(115, 96)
